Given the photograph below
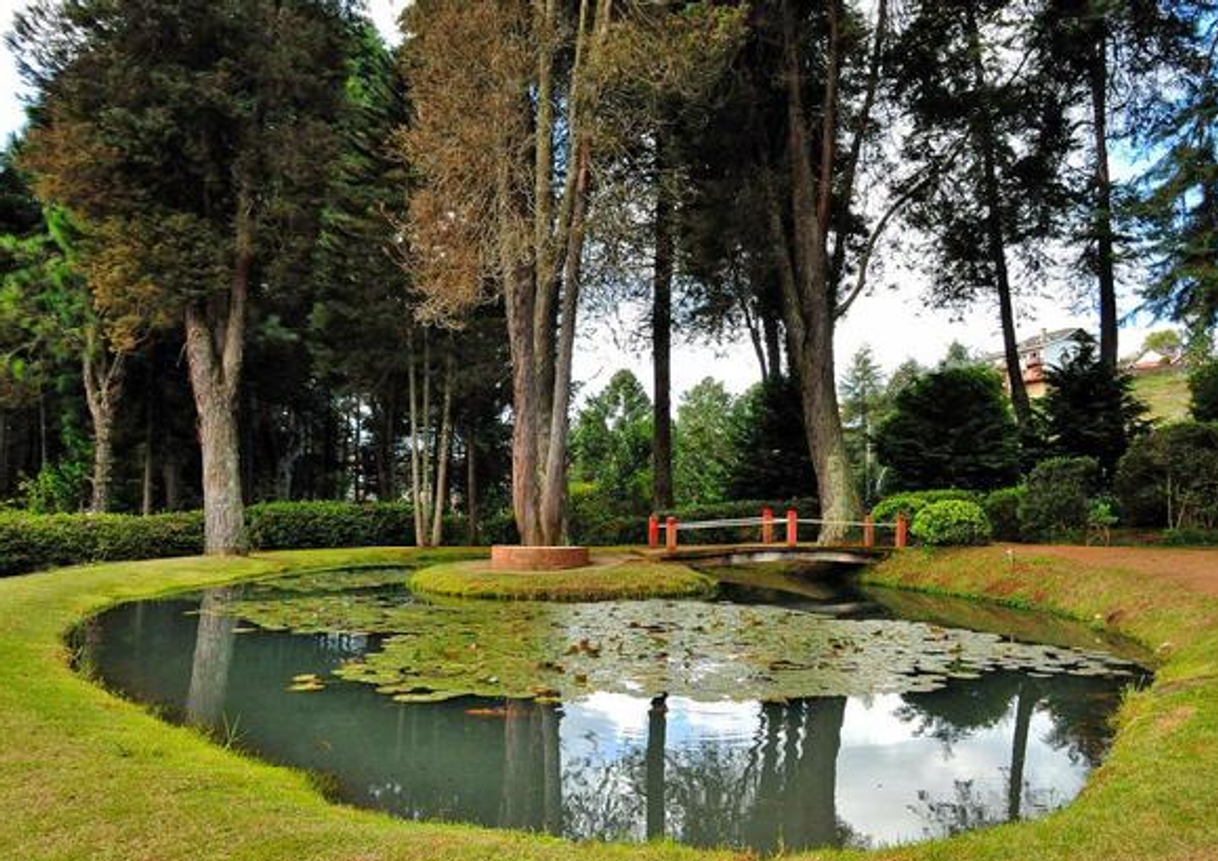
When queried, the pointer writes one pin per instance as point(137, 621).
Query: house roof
point(1039, 342)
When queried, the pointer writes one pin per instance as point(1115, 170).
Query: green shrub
point(1170, 478)
point(1057, 500)
point(305, 525)
point(911, 502)
point(1002, 508)
point(1203, 391)
point(951, 522)
point(29, 542)
point(1190, 537)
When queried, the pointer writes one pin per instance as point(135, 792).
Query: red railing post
point(653, 531)
point(670, 539)
point(767, 526)
point(902, 530)
point(868, 531)
point(792, 527)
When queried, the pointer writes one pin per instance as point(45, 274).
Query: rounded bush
point(1058, 497)
point(1002, 508)
point(911, 502)
point(951, 522)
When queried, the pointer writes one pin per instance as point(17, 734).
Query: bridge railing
point(767, 527)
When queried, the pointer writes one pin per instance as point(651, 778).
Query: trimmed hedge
point(951, 522)
point(29, 542)
point(309, 525)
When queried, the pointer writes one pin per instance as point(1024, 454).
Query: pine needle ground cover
point(87, 775)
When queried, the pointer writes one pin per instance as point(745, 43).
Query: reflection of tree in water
point(1077, 707)
point(1081, 708)
point(213, 655)
point(955, 712)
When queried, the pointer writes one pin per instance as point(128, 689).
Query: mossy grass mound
point(608, 578)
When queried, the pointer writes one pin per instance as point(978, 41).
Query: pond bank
point(86, 775)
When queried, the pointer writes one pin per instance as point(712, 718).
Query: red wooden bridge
point(768, 528)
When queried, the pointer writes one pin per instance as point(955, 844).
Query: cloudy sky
point(893, 320)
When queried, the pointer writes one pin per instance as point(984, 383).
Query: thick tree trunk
point(215, 353)
point(526, 418)
point(661, 336)
point(103, 464)
point(809, 304)
point(1104, 253)
point(995, 239)
point(223, 506)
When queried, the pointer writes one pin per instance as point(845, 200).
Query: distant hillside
point(1165, 392)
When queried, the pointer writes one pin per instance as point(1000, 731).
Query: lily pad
point(432, 651)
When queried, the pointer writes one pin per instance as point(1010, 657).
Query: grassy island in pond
point(607, 578)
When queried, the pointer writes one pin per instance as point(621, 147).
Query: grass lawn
point(1165, 393)
point(84, 775)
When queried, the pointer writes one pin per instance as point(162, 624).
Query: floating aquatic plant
point(697, 649)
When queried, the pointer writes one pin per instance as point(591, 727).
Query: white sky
point(893, 322)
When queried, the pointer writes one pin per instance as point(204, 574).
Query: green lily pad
point(432, 651)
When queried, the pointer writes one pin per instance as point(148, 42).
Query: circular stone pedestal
point(513, 557)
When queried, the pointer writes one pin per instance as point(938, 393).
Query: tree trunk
point(773, 345)
point(808, 302)
point(215, 353)
point(103, 464)
point(223, 507)
point(103, 377)
point(995, 240)
point(171, 481)
point(148, 482)
point(442, 453)
point(1104, 254)
point(416, 506)
point(471, 485)
point(661, 335)
point(526, 418)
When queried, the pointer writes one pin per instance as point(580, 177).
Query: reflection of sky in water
point(887, 773)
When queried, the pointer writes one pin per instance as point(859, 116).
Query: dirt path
point(1196, 570)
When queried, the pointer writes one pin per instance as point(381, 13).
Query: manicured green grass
point(1165, 393)
point(84, 775)
point(608, 578)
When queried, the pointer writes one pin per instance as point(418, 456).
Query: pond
point(790, 712)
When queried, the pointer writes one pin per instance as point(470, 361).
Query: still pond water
point(975, 730)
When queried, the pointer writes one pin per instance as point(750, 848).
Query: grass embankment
point(87, 776)
point(1165, 393)
point(607, 578)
